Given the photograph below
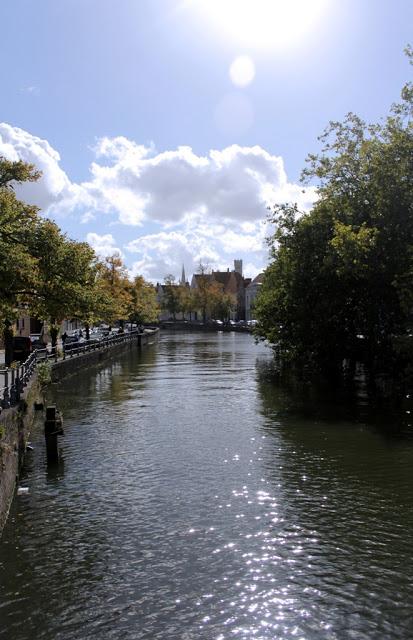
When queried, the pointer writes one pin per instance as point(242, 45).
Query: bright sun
point(263, 23)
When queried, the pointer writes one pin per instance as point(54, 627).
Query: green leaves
point(55, 277)
point(143, 306)
point(345, 269)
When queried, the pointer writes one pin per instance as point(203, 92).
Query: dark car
point(37, 341)
point(71, 342)
point(22, 347)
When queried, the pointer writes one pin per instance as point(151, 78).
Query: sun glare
point(242, 71)
point(263, 23)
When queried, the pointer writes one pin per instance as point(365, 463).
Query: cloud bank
point(169, 207)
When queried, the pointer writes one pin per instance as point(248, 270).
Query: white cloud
point(209, 208)
point(54, 185)
point(163, 253)
point(104, 245)
point(31, 90)
point(213, 245)
point(236, 183)
point(233, 184)
point(87, 216)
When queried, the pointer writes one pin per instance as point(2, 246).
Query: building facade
point(251, 293)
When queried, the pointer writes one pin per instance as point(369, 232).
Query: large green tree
point(340, 283)
point(18, 220)
point(65, 283)
point(115, 288)
point(18, 267)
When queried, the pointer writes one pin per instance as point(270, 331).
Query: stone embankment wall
point(67, 367)
point(15, 425)
point(16, 422)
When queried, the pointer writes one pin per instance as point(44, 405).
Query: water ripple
point(193, 501)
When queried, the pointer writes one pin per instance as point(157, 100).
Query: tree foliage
point(172, 299)
point(209, 296)
point(113, 283)
point(53, 277)
point(18, 221)
point(143, 306)
point(340, 282)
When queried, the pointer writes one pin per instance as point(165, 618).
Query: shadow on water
point(289, 396)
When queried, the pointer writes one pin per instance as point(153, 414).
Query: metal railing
point(16, 378)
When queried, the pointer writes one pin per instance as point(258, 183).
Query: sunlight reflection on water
point(195, 501)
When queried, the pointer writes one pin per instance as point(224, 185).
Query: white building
point(251, 293)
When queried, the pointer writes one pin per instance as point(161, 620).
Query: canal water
point(196, 500)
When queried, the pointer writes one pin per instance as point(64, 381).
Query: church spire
point(183, 279)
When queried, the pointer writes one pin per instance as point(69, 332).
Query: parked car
point(76, 333)
point(129, 326)
point(72, 342)
point(95, 336)
point(37, 341)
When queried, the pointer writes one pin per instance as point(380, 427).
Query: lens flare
point(242, 71)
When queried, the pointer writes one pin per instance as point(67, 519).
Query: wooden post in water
point(52, 429)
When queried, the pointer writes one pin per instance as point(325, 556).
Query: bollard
point(52, 429)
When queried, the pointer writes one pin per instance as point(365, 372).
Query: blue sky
point(147, 145)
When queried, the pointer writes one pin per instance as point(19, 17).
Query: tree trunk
point(8, 343)
point(87, 329)
point(54, 332)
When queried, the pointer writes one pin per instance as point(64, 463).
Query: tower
point(183, 279)
point(238, 266)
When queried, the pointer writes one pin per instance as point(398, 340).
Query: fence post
point(52, 429)
point(6, 398)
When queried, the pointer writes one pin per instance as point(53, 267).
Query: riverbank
point(16, 421)
point(187, 325)
point(15, 425)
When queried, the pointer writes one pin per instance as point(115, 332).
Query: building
point(233, 283)
point(251, 293)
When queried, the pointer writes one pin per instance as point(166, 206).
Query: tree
point(18, 267)
point(339, 285)
point(188, 301)
point(114, 285)
point(202, 293)
point(222, 304)
point(143, 307)
point(209, 296)
point(172, 296)
point(65, 276)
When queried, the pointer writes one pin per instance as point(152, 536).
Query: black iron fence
point(14, 379)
